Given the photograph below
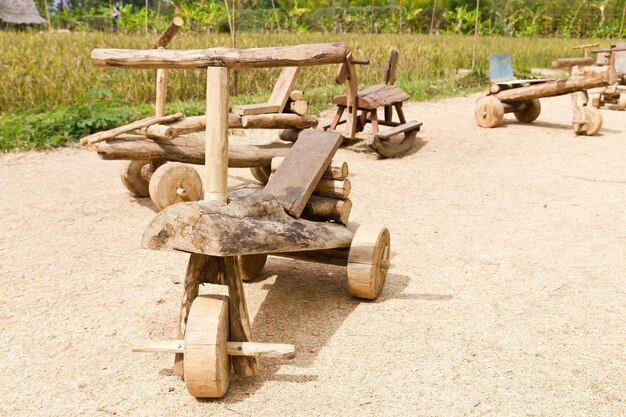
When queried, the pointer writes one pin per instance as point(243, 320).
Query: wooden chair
point(613, 94)
point(367, 102)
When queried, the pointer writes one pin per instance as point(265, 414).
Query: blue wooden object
point(500, 67)
point(620, 59)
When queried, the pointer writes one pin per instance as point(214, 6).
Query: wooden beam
point(570, 62)
point(169, 33)
point(263, 350)
point(251, 109)
point(216, 143)
point(283, 87)
point(279, 121)
point(336, 170)
point(138, 124)
point(282, 56)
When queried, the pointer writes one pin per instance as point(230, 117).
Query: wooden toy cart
point(226, 238)
point(164, 138)
point(388, 143)
point(612, 95)
point(521, 97)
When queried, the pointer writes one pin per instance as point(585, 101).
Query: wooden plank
point(216, 142)
point(252, 109)
point(390, 76)
point(303, 167)
point(138, 124)
point(282, 88)
point(406, 127)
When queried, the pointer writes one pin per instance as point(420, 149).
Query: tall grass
point(42, 70)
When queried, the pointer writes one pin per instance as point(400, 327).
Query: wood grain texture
point(255, 224)
point(259, 108)
point(169, 33)
point(279, 121)
point(282, 89)
point(216, 142)
point(138, 124)
point(375, 96)
point(282, 56)
point(336, 170)
point(188, 149)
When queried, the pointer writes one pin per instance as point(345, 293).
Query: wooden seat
point(374, 97)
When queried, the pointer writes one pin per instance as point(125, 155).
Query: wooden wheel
point(594, 122)
point(262, 174)
point(368, 262)
point(251, 266)
point(175, 182)
point(532, 109)
point(206, 363)
point(132, 179)
point(621, 104)
point(489, 112)
point(595, 102)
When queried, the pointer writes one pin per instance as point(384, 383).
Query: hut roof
point(19, 11)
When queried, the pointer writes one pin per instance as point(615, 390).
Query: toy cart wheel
point(594, 122)
point(261, 174)
point(489, 112)
point(621, 104)
point(531, 111)
point(174, 182)
point(132, 179)
point(251, 266)
point(595, 102)
point(207, 364)
point(368, 262)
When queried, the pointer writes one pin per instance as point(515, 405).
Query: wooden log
point(327, 208)
point(164, 132)
point(282, 56)
point(333, 188)
point(240, 325)
point(187, 149)
point(138, 124)
point(198, 123)
point(297, 106)
point(579, 82)
point(290, 135)
point(216, 142)
point(161, 92)
point(263, 350)
point(296, 95)
point(279, 121)
point(337, 170)
point(337, 256)
point(255, 224)
point(252, 109)
point(169, 33)
point(571, 62)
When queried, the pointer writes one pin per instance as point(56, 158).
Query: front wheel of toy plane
point(132, 178)
point(593, 118)
point(532, 109)
point(206, 361)
point(368, 261)
point(489, 112)
point(173, 183)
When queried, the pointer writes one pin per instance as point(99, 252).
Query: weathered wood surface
point(164, 132)
point(333, 188)
point(327, 208)
point(259, 108)
point(403, 128)
point(390, 75)
point(137, 124)
point(296, 95)
point(169, 33)
point(161, 92)
point(290, 135)
point(263, 350)
point(337, 256)
point(297, 106)
point(283, 87)
point(198, 123)
point(571, 62)
point(240, 324)
point(253, 225)
point(295, 179)
point(375, 97)
point(336, 170)
point(216, 139)
point(279, 121)
point(590, 78)
point(188, 149)
point(282, 56)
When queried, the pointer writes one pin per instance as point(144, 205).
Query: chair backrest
point(620, 59)
point(390, 75)
point(500, 67)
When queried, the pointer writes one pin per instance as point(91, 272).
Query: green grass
point(52, 94)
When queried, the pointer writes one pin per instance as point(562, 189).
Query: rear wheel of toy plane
point(368, 262)
point(132, 179)
point(251, 266)
point(175, 182)
point(531, 111)
point(261, 174)
point(207, 364)
point(489, 112)
point(594, 122)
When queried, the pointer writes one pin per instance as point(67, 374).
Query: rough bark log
point(253, 225)
point(570, 62)
point(297, 106)
point(164, 132)
point(327, 208)
point(188, 149)
point(279, 121)
point(169, 33)
point(296, 95)
point(282, 56)
point(138, 124)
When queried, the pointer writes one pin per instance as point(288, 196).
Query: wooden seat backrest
point(390, 75)
point(500, 67)
point(297, 176)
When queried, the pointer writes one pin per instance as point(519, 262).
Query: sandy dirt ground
point(507, 294)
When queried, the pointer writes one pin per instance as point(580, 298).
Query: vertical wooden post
point(216, 149)
point(475, 34)
point(161, 91)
